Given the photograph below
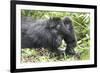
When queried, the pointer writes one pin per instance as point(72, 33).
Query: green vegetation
point(81, 23)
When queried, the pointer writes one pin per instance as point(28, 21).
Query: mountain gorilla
point(48, 33)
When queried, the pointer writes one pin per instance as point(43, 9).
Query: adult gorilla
point(48, 33)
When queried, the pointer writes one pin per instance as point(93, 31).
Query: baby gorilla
point(48, 33)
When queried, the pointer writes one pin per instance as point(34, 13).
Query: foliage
point(81, 23)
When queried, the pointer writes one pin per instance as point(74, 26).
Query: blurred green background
point(81, 23)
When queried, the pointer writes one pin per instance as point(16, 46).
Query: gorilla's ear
point(53, 22)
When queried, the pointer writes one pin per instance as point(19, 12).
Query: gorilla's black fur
point(47, 33)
